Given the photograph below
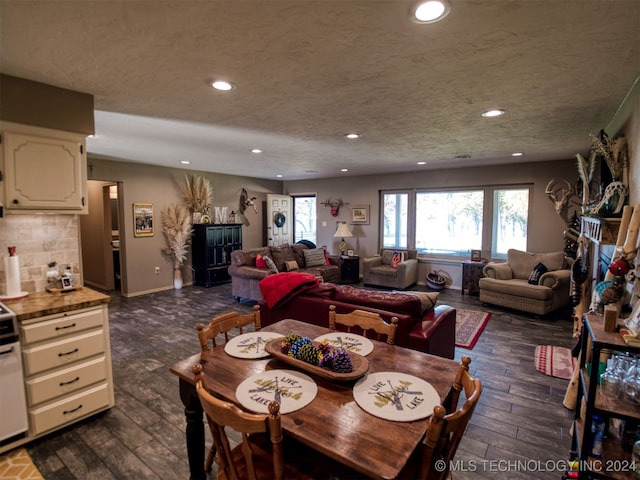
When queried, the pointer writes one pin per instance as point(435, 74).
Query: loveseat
point(422, 324)
point(245, 275)
point(537, 283)
point(380, 270)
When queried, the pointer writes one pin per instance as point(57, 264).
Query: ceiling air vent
point(463, 155)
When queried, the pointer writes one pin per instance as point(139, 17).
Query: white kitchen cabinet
point(68, 374)
point(43, 170)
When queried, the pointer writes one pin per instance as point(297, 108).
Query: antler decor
point(335, 205)
point(558, 194)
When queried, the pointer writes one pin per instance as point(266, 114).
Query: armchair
point(512, 285)
point(378, 271)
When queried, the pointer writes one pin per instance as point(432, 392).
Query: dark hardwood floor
point(519, 429)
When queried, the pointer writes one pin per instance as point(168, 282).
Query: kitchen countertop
point(45, 303)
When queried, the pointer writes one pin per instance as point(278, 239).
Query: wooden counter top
point(45, 303)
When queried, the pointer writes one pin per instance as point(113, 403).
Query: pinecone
point(342, 361)
point(295, 346)
point(308, 353)
point(285, 345)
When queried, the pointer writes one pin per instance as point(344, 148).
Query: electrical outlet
point(157, 270)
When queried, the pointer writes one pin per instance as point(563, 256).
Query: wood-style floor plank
point(520, 416)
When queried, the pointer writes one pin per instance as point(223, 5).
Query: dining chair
point(223, 324)
point(446, 428)
point(366, 321)
point(261, 453)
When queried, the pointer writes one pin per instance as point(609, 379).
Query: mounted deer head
point(335, 205)
point(559, 193)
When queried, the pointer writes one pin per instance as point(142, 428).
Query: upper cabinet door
point(44, 169)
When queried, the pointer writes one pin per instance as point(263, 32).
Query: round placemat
point(395, 396)
point(349, 341)
point(249, 345)
point(293, 390)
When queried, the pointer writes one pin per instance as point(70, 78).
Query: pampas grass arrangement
point(197, 193)
point(176, 226)
point(614, 152)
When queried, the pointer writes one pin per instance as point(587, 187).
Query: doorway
point(100, 237)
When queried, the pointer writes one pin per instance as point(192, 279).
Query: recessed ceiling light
point(352, 135)
point(431, 11)
point(223, 85)
point(421, 163)
point(496, 112)
point(279, 175)
point(185, 162)
point(344, 169)
point(517, 154)
point(256, 150)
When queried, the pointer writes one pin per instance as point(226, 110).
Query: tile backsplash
point(40, 239)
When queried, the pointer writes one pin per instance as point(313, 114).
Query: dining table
point(333, 423)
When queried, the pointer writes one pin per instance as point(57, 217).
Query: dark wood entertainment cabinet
point(211, 247)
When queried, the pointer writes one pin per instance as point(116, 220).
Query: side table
point(349, 269)
point(471, 275)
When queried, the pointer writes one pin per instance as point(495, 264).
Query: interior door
point(279, 226)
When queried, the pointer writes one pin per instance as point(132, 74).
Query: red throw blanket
point(278, 288)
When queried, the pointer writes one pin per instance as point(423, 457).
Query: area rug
point(469, 326)
point(554, 361)
point(17, 465)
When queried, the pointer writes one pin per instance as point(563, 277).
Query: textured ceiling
point(309, 71)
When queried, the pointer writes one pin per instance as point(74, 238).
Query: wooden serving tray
point(360, 364)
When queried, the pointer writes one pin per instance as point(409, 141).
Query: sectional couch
point(246, 275)
point(421, 325)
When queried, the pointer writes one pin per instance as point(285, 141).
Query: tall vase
point(177, 278)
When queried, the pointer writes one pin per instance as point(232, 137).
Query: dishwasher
point(13, 403)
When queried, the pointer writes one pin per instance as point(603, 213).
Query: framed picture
point(476, 255)
point(350, 253)
point(143, 219)
point(67, 283)
point(360, 214)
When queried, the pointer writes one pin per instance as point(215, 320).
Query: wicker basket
point(435, 281)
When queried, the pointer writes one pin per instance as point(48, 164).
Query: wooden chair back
point(370, 323)
point(223, 324)
point(448, 424)
point(242, 462)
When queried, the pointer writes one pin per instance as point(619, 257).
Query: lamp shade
point(343, 231)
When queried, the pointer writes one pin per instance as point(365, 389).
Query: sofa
point(379, 270)
point(422, 324)
point(246, 275)
point(537, 283)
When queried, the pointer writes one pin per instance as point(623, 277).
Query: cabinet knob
point(15, 201)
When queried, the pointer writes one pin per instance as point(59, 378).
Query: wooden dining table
point(333, 423)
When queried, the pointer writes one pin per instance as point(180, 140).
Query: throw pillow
point(536, 273)
point(326, 257)
point(291, 265)
point(260, 263)
point(282, 254)
point(314, 257)
point(396, 258)
point(270, 264)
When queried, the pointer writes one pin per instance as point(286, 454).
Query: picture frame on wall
point(143, 220)
point(360, 214)
point(476, 255)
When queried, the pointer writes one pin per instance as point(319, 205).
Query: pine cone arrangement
point(323, 354)
point(310, 354)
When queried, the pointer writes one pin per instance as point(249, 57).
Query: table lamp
point(343, 232)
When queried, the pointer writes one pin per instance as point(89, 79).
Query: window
point(304, 216)
point(449, 223)
point(452, 223)
point(510, 218)
point(394, 220)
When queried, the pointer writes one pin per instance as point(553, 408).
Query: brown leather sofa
point(245, 276)
point(432, 330)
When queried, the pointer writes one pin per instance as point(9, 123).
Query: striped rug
point(554, 361)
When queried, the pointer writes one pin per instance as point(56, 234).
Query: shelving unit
point(615, 463)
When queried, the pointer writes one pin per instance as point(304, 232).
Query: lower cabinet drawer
point(63, 352)
point(68, 410)
point(63, 382)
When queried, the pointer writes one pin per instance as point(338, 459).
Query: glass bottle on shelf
point(631, 383)
point(610, 380)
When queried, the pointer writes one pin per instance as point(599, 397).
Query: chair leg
point(209, 461)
